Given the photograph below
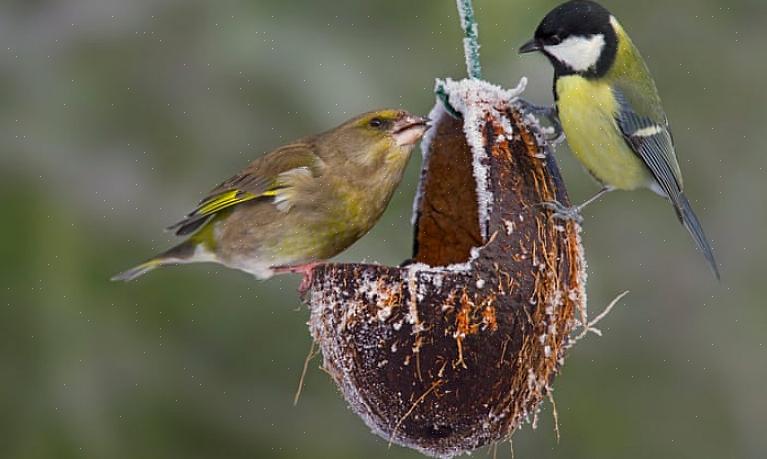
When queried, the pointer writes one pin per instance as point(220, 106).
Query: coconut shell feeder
point(459, 346)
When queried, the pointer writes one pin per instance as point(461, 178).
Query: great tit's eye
point(376, 123)
point(555, 40)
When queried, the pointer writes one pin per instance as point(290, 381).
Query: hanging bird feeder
point(456, 349)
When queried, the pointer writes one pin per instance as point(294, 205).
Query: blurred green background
point(116, 117)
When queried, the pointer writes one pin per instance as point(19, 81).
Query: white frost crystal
point(473, 99)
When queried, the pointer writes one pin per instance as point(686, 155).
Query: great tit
point(301, 203)
point(609, 109)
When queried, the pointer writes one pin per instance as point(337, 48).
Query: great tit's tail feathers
point(690, 221)
point(182, 253)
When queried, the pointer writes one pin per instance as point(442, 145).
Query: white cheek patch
point(579, 53)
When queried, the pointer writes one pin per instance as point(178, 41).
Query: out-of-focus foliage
point(116, 117)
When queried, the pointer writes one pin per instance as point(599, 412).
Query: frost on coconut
point(474, 99)
point(456, 348)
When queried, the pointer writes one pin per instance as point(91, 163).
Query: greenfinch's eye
point(376, 123)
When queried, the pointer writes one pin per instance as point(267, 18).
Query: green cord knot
point(470, 50)
point(444, 97)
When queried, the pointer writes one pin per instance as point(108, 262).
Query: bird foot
point(539, 110)
point(306, 269)
point(563, 212)
point(550, 113)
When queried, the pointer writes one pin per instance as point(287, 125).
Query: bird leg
point(307, 270)
point(549, 113)
point(563, 212)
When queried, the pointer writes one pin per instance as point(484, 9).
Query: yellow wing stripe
point(223, 201)
point(229, 199)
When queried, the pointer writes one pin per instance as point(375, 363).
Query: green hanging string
point(470, 34)
point(470, 50)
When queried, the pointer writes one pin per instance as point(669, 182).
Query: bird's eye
point(555, 40)
point(376, 123)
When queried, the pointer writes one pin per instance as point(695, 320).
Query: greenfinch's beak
point(409, 129)
point(530, 47)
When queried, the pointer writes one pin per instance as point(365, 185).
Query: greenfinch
point(300, 204)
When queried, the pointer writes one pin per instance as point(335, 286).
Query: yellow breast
point(587, 110)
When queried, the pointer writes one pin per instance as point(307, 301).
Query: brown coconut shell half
point(456, 349)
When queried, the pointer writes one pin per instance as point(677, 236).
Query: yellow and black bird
point(301, 203)
point(609, 109)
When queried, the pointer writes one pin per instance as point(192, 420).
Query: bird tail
point(690, 221)
point(181, 253)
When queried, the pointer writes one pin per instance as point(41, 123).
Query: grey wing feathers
point(651, 140)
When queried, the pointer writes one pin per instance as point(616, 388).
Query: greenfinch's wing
point(271, 176)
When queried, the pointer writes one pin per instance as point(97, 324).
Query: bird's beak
point(409, 130)
point(530, 47)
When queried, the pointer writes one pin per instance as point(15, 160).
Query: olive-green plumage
point(609, 107)
point(301, 203)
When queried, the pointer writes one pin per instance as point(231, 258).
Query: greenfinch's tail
point(182, 253)
point(136, 271)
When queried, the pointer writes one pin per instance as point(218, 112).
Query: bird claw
point(559, 135)
point(563, 212)
point(306, 282)
point(306, 269)
point(539, 110)
point(549, 113)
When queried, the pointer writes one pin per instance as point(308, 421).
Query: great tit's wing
point(649, 136)
point(271, 176)
point(646, 130)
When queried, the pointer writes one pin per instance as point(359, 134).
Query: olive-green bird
point(300, 204)
point(609, 109)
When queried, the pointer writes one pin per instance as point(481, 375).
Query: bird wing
point(273, 175)
point(647, 133)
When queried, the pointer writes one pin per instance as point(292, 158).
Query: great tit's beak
point(409, 129)
point(530, 47)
